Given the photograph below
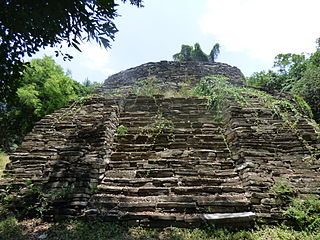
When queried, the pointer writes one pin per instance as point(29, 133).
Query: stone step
point(166, 108)
point(183, 203)
point(185, 121)
point(163, 105)
point(138, 147)
point(151, 123)
point(182, 220)
point(170, 163)
point(279, 146)
point(167, 112)
point(163, 101)
point(160, 157)
point(127, 155)
point(149, 116)
point(176, 130)
point(171, 181)
point(24, 178)
point(170, 172)
point(166, 137)
point(184, 154)
point(120, 147)
point(136, 115)
point(32, 158)
point(177, 164)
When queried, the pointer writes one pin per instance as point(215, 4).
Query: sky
point(250, 33)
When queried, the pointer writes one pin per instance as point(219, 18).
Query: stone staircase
point(270, 151)
point(65, 154)
point(171, 166)
point(165, 161)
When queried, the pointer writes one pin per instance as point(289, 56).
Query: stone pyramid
point(159, 161)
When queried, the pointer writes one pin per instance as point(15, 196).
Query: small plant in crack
point(122, 130)
point(225, 140)
point(163, 125)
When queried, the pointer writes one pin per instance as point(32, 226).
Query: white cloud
point(108, 71)
point(263, 28)
point(92, 62)
point(95, 58)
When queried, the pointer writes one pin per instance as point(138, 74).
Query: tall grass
point(4, 159)
point(11, 229)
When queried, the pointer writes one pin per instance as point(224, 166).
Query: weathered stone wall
point(172, 164)
point(171, 167)
point(67, 152)
point(267, 151)
point(172, 74)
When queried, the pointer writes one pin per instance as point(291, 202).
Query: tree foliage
point(309, 88)
point(214, 53)
point(269, 80)
point(184, 54)
point(27, 26)
point(195, 53)
point(198, 55)
point(294, 73)
point(91, 85)
point(44, 88)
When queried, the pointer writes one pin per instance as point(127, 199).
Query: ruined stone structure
point(170, 74)
point(165, 161)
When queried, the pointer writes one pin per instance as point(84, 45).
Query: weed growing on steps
point(221, 94)
point(147, 87)
point(122, 130)
point(304, 213)
point(160, 126)
point(153, 86)
point(301, 212)
point(185, 89)
point(72, 109)
point(284, 191)
point(291, 115)
point(222, 132)
point(34, 201)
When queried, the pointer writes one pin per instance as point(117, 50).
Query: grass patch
point(98, 230)
point(154, 86)
point(4, 159)
point(285, 233)
point(10, 229)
